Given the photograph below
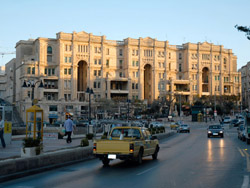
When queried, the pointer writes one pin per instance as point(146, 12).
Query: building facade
point(245, 77)
point(144, 69)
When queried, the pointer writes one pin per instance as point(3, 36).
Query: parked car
point(215, 130)
point(156, 124)
point(183, 128)
point(173, 126)
point(235, 122)
point(241, 133)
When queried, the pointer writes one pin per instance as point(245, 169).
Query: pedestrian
point(2, 131)
point(68, 125)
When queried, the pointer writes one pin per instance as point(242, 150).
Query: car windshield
point(227, 117)
point(214, 127)
point(184, 125)
point(127, 133)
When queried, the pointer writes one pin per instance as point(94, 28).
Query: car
point(215, 130)
point(156, 124)
point(235, 122)
point(227, 119)
point(183, 128)
point(241, 133)
point(173, 126)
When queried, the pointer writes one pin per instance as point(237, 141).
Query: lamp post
point(89, 91)
point(32, 84)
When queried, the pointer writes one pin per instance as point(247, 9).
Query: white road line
point(145, 171)
point(242, 154)
point(245, 182)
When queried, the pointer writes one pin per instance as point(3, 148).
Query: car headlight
point(221, 131)
point(209, 132)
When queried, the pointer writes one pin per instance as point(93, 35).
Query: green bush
point(30, 142)
point(84, 142)
point(89, 136)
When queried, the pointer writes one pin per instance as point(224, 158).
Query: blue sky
point(177, 21)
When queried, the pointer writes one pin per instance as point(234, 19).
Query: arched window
point(49, 50)
point(49, 54)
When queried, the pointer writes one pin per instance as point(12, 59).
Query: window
point(69, 71)
point(49, 58)
point(99, 72)
point(159, 65)
point(120, 64)
point(45, 71)
point(49, 50)
point(180, 56)
point(95, 72)
point(33, 70)
point(120, 74)
point(65, 71)
point(159, 75)
point(28, 70)
point(169, 55)
point(49, 72)
point(137, 63)
point(107, 51)
point(65, 59)
point(94, 84)
point(137, 74)
point(133, 86)
point(180, 67)
point(107, 62)
point(99, 84)
point(53, 108)
point(215, 78)
point(133, 63)
point(69, 59)
point(136, 86)
point(95, 61)
point(100, 61)
point(120, 52)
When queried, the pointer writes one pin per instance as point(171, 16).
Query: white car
point(227, 119)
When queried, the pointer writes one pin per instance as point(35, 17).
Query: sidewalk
point(13, 150)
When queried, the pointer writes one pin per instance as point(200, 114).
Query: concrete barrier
point(20, 167)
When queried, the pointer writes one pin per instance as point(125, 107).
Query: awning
point(53, 116)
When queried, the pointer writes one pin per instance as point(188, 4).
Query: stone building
point(144, 69)
point(245, 77)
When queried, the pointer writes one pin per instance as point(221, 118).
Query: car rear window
point(127, 133)
point(215, 127)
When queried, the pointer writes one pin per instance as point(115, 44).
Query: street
point(184, 160)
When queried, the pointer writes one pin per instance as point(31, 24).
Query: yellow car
point(174, 126)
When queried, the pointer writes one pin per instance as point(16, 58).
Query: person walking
point(68, 125)
point(2, 131)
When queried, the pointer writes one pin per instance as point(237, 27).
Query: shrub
point(84, 142)
point(30, 142)
point(89, 136)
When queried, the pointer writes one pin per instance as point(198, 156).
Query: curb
point(20, 167)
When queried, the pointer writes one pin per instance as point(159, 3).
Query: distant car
point(183, 128)
point(215, 130)
point(241, 133)
point(173, 126)
point(235, 122)
point(156, 124)
point(227, 119)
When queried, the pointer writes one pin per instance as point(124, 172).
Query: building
point(2, 82)
point(144, 69)
point(245, 77)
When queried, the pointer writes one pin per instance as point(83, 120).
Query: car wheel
point(155, 155)
point(222, 136)
point(105, 161)
point(248, 141)
point(139, 157)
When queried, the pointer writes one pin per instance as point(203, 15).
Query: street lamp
point(32, 84)
point(89, 91)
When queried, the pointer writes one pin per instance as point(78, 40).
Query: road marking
point(245, 182)
point(145, 171)
point(245, 152)
point(242, 154)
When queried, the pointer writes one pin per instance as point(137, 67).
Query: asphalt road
point(185, 160)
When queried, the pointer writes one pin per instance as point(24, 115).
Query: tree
point(244, 29)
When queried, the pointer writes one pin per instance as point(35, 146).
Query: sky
point(178, 21)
